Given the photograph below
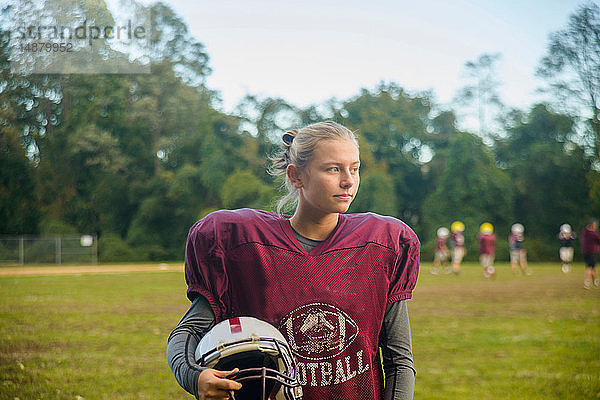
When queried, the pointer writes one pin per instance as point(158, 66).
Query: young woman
point(334, 284)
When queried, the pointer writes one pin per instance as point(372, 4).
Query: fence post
point(21, 250)
point(58, 250)
point(95, 250)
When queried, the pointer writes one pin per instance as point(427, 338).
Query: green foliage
point(572, 63)
point(472, 189)
point(52, 226)
point(112, 248)
point(593, 178)
point(481, 93)
point(18, 208)
point(392, 124)
point(155, 228)
point(375, 195)
point(244, 189)
point(548, 172)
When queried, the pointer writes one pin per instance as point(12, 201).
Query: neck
point(315, 227)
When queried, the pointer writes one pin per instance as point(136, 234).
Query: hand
point(213, 385)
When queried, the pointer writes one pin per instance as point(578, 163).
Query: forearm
point(182, 343)
point(396, 344)
point(399, 384)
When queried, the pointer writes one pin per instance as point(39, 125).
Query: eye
point(333, 169)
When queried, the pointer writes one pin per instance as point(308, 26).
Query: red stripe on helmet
point(235, 326)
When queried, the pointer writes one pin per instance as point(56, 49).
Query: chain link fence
point(58, 249)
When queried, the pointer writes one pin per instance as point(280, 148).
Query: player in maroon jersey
point(590, 247)
point(334, 284)
point(487, 249)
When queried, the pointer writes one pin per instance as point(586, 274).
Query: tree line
point(138, 159)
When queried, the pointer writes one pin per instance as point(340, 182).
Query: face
point(330, 181)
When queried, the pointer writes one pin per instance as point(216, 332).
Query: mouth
point(346, 196)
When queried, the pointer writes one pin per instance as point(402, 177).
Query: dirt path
point(88, 269)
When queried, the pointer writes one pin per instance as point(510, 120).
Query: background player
point(487, 249)
point(334, 284)
point(566, 237)
point(440, 259)
point(457, 243)
point(518, 254)
point(590, 247)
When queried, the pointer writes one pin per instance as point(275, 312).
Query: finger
point(218, 395)
point(221, 374)
point(227, 384)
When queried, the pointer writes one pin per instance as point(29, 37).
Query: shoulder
point(222, 224)
point(373, 220)
point(242, 215)
point(380, 229)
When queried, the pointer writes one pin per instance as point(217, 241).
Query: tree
point(374, 194)
point(267, 119)
point(472, 189)
point(244, 189)
point(482, 91)
point(393, 127)
point(18, 208)
point(548, 170)
point(572, 66)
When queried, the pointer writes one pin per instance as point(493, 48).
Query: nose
point(347, 179)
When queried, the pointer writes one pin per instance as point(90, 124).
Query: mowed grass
point(91, 336)
point(103, 336)
point(513, 337)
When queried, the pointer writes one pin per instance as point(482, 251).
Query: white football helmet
point(517, 229)
point(443, 232)
point(566, 228)
point(267, 368)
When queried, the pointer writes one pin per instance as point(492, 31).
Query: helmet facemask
point(266, 364)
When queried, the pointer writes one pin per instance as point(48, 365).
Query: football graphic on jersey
point(318, 331)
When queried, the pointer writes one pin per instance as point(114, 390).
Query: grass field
point(103, 336)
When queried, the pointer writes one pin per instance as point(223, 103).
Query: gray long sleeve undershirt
point(182, 343)
point(396, 347)
point(395, 341)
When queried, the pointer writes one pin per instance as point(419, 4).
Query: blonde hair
point(297, 148)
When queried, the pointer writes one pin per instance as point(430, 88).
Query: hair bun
point(289, 136)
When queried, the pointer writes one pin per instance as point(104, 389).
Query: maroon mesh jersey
point(590, 241)
point(440, 243)
point(487, 243)
point(329, 304)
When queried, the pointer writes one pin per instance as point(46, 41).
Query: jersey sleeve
point(404, 273)
point(205, 272)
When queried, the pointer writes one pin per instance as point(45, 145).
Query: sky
point(309, 51)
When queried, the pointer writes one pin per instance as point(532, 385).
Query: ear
point(293, 174)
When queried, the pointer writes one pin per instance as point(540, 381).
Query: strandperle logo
point(81, 32)
point(58, 36)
